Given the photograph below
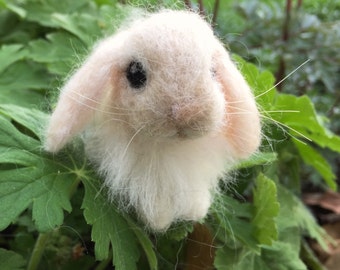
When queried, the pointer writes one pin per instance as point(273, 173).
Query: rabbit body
point(164, 113)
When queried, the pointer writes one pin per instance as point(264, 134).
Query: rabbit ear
point(242, 127)
point(80, 97)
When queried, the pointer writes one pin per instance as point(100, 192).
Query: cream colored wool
point(161, 147)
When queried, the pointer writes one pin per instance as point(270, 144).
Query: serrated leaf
point(294, 215)
point(278, 256)
point(261, 82)
point(11, 260)
point(306, 121)
point(266, 209)
point(28, 175)
point(261, 158)
point(109, 228)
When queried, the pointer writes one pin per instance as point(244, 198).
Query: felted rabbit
point(163, 113)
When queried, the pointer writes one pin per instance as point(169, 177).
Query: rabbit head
point(167, 76)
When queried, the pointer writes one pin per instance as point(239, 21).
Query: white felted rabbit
point(164, 113)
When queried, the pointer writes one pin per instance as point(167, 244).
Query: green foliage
point(266, 209)
point(11, 260)
point(53, 206)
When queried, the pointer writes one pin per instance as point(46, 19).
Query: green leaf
point(261, 158)
point(10, 54)
point(179, 231)
point(16, 9)
point(233, 218)
point(28, 176)
point(306, 122)
point(294, 215)
point(261, 82)
point(266, 209)
point(83, 26)
point(109, 227)
point(42, 12)
point(11, 260)
point(281, 256)
point(278, 256)
point(147, 245)
point(60, 51)
point(311, 157)
point(17, 81)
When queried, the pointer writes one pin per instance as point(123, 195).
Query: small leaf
point(234, 218)
point(147, 245)
point(11, 260)
point(294, 214)
point(109, 227)
point(266, 210)
point(261, 158)
point(261, 83)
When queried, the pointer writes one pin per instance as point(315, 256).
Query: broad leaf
point(28, 176)
point(306, 122)
point(17, 81)
point(109, 228)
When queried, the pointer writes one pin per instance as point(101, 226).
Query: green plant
point(54, 212)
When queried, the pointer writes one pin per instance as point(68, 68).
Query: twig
point(215, 12)
point(285, 37)
point(38, 251)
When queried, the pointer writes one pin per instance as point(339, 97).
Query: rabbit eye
point(136, 75)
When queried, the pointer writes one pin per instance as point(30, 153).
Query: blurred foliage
point(54, 213)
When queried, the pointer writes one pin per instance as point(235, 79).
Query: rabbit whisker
point(290, 128)
point(286, 77)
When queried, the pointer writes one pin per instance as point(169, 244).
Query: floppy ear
point(242, 128)
point(80, 96)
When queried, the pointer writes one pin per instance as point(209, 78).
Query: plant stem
point(38, 251)
point(103, 264)
point(285, 37)
point(216, 8)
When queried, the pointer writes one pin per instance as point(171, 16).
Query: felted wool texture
point(162, 147)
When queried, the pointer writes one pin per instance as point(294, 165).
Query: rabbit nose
point(181, 112)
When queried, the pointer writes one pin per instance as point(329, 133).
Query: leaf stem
point(38, 251)
point(103, 264)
